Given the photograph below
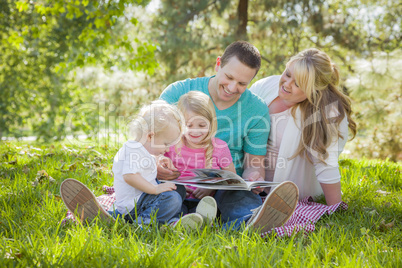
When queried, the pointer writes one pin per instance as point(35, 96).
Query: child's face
point(197, 128)
point(159, 143)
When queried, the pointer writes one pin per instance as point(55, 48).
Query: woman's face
point(289, 91)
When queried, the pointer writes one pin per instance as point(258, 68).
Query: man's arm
point(254, 169)
point(172, 93)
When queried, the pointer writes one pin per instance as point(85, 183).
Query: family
point(287, 128)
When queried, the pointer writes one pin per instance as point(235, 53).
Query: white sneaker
point(190, 221)
point(207, 208)
point(276, 209)
point(81, 201)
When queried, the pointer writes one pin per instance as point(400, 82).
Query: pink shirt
point(186, 159)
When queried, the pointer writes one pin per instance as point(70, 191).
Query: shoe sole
point(277, 208)
point(207, 208)
point(190, 221)
point(81, 202)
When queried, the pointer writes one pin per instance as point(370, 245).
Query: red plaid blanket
point(306, 214)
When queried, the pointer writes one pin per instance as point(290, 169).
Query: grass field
point(368, 234)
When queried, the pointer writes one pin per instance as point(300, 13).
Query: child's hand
point(200, 192)
point(166, 169)
point(165, 187)
point(189, 191)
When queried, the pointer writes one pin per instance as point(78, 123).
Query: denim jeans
point(236, 206)
point(164, 207)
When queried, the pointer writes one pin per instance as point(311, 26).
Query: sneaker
point(276, 209)
point(207, 208)
point(190, 221)
point(81, 202)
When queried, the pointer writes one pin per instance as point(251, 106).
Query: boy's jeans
point(236, 206)
point(165, 207)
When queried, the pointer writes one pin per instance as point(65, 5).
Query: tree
point(192, 33)
point(42, 41)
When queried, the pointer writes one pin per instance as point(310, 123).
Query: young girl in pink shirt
point(198, 147)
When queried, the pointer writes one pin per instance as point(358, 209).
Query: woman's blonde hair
point(200, 104)
point(156, 117)
point(325, 107)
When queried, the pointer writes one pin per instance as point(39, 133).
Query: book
point(220, 180)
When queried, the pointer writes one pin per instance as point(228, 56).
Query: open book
point(220, 180)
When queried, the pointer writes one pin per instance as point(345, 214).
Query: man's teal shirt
point(244, 126)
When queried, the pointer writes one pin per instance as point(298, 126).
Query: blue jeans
point(236, 206)
point(164, 207)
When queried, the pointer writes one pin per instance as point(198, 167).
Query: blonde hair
point(325, 107)
point(156, 117)
point(200, 104)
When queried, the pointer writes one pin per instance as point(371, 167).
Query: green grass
point(31, 211)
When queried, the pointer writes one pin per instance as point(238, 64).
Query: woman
point(310, 117)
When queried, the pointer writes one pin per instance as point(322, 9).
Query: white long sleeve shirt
point(305, 175)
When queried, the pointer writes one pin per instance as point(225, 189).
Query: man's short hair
point(245, 52)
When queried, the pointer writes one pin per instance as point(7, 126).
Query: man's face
point(232, 80)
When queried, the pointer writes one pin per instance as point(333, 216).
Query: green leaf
point(22, 6)
point(134, 21)
point(99, 23)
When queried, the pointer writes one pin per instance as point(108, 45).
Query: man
point(243, 123)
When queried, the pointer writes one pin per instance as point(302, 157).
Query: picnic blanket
point(306, 214)
point(303, 219)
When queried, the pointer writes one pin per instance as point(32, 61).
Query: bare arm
point(138, 182)
point(332, 193)
point(254, 169)
point(231, 168)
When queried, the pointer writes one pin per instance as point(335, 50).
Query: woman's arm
point(332, 193)
point(328, 173)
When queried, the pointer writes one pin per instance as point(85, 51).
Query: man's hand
point(255, 176)
point(166, 169)
point(165, 187)
point(254, 169)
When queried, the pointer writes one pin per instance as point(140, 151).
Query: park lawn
point(368, 234)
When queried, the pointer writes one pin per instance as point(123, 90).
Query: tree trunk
point(242, 14)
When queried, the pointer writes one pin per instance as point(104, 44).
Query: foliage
point(368, 234)
point(72, 67)
point(376, 88)
point(42, 41)
point(193, 35)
